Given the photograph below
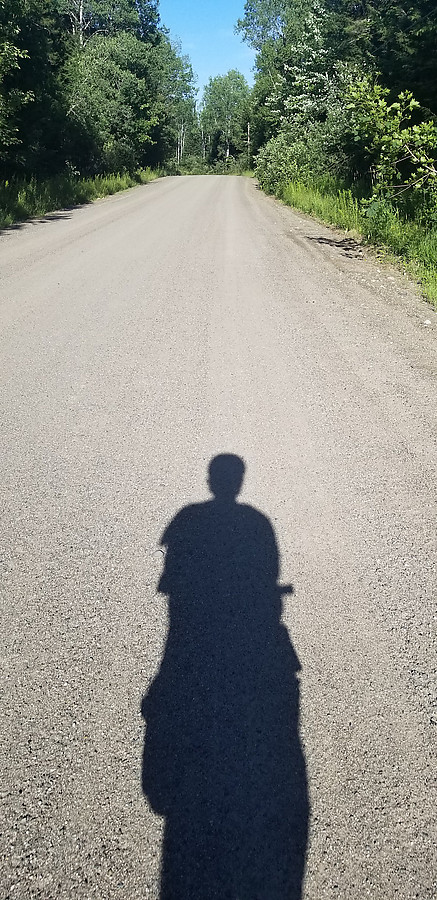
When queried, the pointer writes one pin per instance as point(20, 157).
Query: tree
point(11, 98)
point(178, 93)
point(130, 102)
point(109, 17)
point(108, 89)
point(42, 45)
point(225, 112)
point(395, 39)
point(263, 21)
point(111, 103)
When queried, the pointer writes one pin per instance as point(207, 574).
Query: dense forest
point(89, 86)
point(341, 120)
point(347, 89)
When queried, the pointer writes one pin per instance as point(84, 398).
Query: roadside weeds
point(22, 199)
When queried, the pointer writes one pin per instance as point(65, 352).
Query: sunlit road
point(285, 758)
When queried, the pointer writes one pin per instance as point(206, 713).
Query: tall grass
point(414, 240)
point(22, 199)
point(336, 207)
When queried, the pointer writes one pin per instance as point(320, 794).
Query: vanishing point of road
point(291, 733)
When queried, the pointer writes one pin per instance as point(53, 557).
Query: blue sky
point(206, 31)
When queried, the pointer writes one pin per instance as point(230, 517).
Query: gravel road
point(290, 748)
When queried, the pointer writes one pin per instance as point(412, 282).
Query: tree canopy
point(88, 86)
point(345, 88)
point(225, 113)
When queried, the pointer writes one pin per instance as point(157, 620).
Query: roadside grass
point(23, 199)
point(413, 240)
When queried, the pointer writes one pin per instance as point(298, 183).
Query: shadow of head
point(225, 476)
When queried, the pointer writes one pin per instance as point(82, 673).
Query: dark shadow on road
point(39, 220)
point(350, 248)
point(222, 759)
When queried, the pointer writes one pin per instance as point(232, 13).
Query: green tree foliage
point(346, 89)
point(110, 101)
point(263, 21)
point(396, 39)
point(177, 97)
point(109, 17)
point(11, 98)
point(344, 113)
point(42, 45)
point(225, 114)
point(89, 86)
point(403, 152)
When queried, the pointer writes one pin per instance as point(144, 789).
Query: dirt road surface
point(291, 736)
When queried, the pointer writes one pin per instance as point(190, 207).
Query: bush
point(275, 164)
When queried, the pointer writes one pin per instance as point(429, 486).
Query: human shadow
point(223, 760)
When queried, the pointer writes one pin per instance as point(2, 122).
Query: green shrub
point(276, 164)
